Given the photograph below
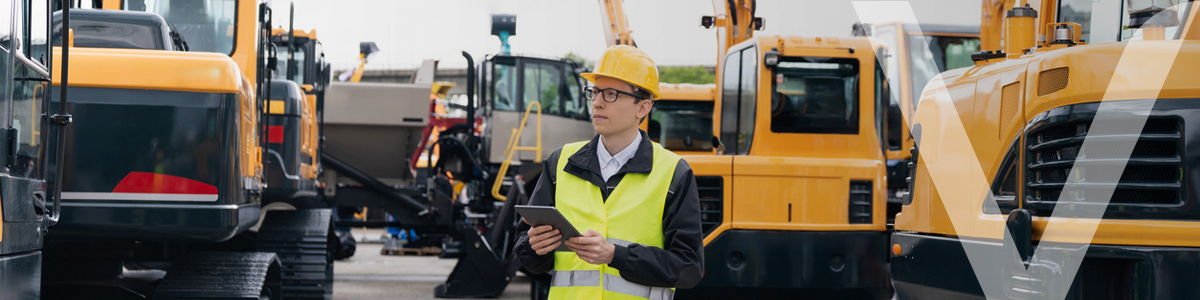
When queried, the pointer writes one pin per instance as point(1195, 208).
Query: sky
point(408, 32)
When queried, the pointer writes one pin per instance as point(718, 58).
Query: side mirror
point(70, 37)
point(716, 143)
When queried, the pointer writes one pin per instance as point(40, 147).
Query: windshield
point(1105, 21)
point(206, 25)
point(931, 55)
point(815, 95)
point(682, 125)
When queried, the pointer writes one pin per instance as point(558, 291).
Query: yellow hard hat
point(628, 64)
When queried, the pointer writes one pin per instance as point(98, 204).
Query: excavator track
point(223, 275)
point(301, 239)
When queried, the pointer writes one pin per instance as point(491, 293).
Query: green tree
point(584, 62)
point(692, 74)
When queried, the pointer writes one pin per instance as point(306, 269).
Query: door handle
point(39, 204)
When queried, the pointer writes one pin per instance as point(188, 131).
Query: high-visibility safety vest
point(632, 214)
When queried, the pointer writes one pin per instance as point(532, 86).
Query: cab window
point(747, 97)
point(6, 30)
point(110, 33)
point(737, 100)
point(574, 106)
point(543, 83)
point(730, 73)
point(815, 95)
point(891, 57)
point(29, 88)
point(504, 84)
point(300, 53)
point(931, 55)
point(7, 47)
point(888, 111)
point(38, 33)
point(1105, 21)
point(206, 25)
point(681, 125)
point(1100, 22)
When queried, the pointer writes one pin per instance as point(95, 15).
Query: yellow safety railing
point(512, 147)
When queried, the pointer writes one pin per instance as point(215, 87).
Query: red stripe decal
point(275, 134)
point(143, 182)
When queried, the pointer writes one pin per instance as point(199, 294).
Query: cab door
point(25, 80)
point(807, 151)
point(897, 88)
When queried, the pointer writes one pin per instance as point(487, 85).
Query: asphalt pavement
point(368, 275)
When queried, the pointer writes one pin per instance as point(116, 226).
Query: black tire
point(344, 245)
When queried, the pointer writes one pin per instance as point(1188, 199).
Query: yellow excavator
point(163, 187)
point(293, 123)
point(794, 201)
point(1058, 165)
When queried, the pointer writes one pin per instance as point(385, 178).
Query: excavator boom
point(616, 24)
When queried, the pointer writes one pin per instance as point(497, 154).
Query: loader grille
point(1152, 175)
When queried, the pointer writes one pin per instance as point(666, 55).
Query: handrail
point(512, 148)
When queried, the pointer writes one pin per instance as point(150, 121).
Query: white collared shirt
point(610, 164)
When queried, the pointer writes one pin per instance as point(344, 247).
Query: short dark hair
point(641, 93)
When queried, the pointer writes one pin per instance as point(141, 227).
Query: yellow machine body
point(1025, 118)
point(779, 197)
point(309, 126)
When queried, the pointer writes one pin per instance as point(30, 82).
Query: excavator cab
point(800, 180)
point(512, 83)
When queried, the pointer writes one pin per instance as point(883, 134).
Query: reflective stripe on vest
point(576, 278)
point(631, 214)
point(612, 283)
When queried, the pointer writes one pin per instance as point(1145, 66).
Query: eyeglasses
point(610, 94)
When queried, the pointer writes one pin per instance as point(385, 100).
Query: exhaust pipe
point(470, 91)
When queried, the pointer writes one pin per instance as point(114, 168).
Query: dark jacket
point(679, 264)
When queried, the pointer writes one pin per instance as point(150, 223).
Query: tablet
point(548, 215)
